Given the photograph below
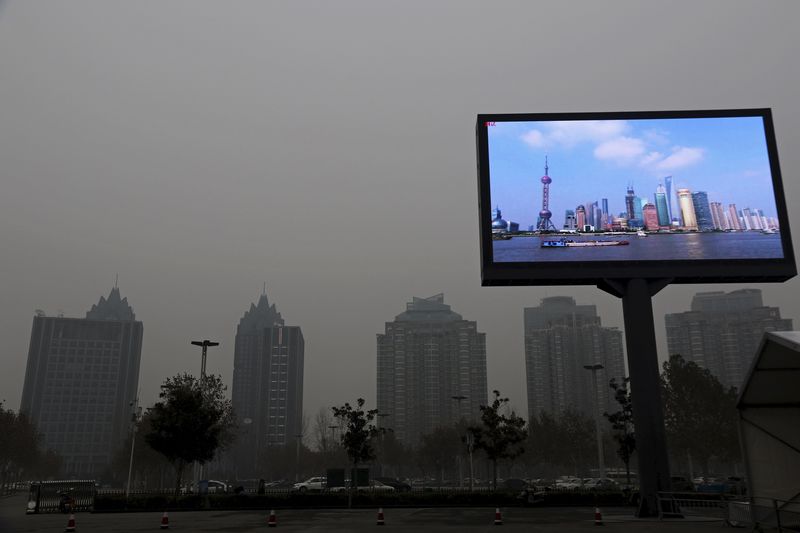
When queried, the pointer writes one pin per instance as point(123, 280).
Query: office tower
point(661, 207)
point(426, 356)
point(702, 211)
point(722, 331)
point(668, 190)
point(734, 217)
point(688, 217)
point(630, 199)
point(604, 201)
point(267, 391)
point(544, 223)
point(560, 338)
point(718, 216)
point(744, 215)
point(569, 220)
point(580, 216)
point(650, 217)
point(82, 375)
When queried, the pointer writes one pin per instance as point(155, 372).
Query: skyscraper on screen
point(428, 357)
point(81, 378)
point(560, 338)
point(722, 331)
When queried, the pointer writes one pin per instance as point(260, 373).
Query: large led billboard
point(577, 198)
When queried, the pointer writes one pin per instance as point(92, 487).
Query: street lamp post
point(600, 459)
point(136, 415)
point(383, 440)
point(458, 399)
point(204, 344)
point(299, 438)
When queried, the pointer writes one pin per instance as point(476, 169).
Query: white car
point(312, 484)
point(374, 486)
point(568, 482)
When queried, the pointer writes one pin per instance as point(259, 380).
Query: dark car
point(395, 483)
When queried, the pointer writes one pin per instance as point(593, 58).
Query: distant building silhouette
point(82, 375)
point(722, 331)
point(560, 338)
point(267, 391)
point(427, 355)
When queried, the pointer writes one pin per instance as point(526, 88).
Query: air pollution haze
point(200, 150)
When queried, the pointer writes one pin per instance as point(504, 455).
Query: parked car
point(374, 486)
point(681, 484)
point(396, 484)
point(568, 482)
point(515, 484)
point(312, 484)
point(601, 483)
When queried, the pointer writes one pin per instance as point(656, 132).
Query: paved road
point(563, 520)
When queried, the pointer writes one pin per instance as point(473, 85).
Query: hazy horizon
point(199, 150)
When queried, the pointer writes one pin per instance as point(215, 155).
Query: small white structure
point(769, 420)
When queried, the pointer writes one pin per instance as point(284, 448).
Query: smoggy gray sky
point(202, 148)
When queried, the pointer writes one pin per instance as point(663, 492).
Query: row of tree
point(193, 422)
point(22, 455)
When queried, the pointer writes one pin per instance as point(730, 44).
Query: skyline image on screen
point(637, 189)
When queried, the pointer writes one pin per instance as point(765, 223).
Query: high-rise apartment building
point(686, 206)
point(428, 356)
point(81, 377)
point(702, 210)
point(722, 331)
point(267, 392)
point(560, 338)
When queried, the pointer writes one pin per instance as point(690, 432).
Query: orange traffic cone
point(164, 521)
point(70, 523)
point(498, 519)
point(380, 516)
point(598, 517)
point(273, 520)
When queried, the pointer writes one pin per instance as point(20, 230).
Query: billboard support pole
point(648, 413)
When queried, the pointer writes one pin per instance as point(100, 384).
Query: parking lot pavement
point(563, 520)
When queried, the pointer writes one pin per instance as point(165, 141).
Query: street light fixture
point(459, 398)
point(136, 416)
point(600, 459)
point(204, 344)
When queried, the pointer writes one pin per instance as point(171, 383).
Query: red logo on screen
point(490, 124)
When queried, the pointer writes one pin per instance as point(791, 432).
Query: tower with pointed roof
point(426, 356)
point(81, 376)
point(267, 391)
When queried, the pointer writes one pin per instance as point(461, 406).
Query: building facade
point(81, 377)
point(267, 391)
point(722, 332)
point(428, 357)
point(702, 210)
point(560, 338)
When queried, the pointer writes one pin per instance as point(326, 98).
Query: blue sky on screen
point(591, 160)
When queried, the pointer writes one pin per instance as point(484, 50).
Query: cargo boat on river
point(565, 243)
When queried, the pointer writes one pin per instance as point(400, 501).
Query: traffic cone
point(164, 521)
point(273, 520)
point(70, 523)
point(598, 517)
point(380, 516)
point(498, 519)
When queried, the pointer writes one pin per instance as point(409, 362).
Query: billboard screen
point(576, 198)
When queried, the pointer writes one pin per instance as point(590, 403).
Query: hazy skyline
point(201, 149)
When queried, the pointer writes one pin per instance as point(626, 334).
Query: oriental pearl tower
point(544, 223)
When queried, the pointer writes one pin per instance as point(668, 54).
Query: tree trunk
point(178, 475)
point(494, 473)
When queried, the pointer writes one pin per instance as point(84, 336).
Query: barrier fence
point(46, 496)
point(754, 513)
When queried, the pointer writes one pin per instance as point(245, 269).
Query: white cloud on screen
point(612, 145)
point(682, 156)
point(569, 133)
point(622, 150)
